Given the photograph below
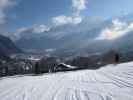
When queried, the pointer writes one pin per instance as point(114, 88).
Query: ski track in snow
point(112, 82)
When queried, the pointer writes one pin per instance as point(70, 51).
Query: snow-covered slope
point(114, 82)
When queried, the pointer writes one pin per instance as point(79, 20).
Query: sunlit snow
point(113, 82)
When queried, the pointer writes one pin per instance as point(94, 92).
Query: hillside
point(7, 47)
point(113, 82)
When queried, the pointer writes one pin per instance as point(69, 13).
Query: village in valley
point(21, 64)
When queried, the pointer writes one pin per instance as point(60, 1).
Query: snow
point(72, 67)
point(112, 82)
point(33, 59)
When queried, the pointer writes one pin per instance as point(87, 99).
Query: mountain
point(71, 39)
point(61, 37)
point(7, 47)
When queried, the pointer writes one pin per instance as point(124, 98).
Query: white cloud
point(118, 25)
point(117, 30)
point(77, 6)
point(61, 20)
point(40, 29)
point(4, 5)
point(36, 29)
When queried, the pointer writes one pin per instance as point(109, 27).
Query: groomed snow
point(114, 82)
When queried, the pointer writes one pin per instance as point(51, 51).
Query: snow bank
point(114, 82)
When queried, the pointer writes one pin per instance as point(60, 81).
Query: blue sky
point(15, 14)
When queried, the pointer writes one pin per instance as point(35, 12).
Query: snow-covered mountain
point(78, 38)
point(112, 82)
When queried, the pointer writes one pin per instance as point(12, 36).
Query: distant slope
point(7, 46)
point(113, 82)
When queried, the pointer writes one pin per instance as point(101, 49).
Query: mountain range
point(77, 39)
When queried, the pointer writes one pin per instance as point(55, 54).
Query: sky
point(18, 14)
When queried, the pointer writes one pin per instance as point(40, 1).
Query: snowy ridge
point(113, 82)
